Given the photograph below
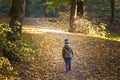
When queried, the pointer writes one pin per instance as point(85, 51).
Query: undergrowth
point(89, 27)
point(23, 50)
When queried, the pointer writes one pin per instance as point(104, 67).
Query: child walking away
point(67, 54)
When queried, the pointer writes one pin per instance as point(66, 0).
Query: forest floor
point(94, 58)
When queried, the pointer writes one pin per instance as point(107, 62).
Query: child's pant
point(68, 64)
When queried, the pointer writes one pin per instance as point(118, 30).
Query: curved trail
point(89, 61)
point(75, 73)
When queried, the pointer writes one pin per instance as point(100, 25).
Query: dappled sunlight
point(42, 30)
point(38, 30)
point(31, 30)
point(94, 58)
point(91, 60)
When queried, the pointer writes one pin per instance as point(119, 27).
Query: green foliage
point(5, 7)
point(87, 27)
point(100, 30)
point(113, 37)
point(103, 31)
point(56, 6)
point(57, 3)
point(23, 49)
point(6, 70)
point(28, 48)
point(106, 34)
point(3, 36)
point(51, 8)
point(7, 1)
point(17, 48)
point(35, 8)
point(44, 8)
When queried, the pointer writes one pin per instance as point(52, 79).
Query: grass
point(114, 37)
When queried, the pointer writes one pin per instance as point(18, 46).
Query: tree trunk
point(73, 15)
point(112, 10)
point(80, 11)
point(17, 16)
point(11, 10)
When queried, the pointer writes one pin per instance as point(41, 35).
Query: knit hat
point(66, 41)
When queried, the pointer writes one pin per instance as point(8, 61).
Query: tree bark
point(11, 9)
point(17, 16)
point(112, 10)
point(73, 15)
point(80, 9)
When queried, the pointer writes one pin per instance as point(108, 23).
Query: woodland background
point(32, 34)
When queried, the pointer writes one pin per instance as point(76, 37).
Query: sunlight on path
point(37, 30)
point(52, 30)
point(58, 35)
point(94, 58)
point(88, 63)
point(41, 29)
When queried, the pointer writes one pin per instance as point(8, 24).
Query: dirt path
point(94, 58)
point(91, 58)
point(75, 73)
point(58, 34)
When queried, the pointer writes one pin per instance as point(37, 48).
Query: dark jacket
point(67, 51)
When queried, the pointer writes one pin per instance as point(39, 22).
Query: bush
point(6, 70)
point(18, 49)
point(3, 36)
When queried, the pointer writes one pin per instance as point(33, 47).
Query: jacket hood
point(67, 46)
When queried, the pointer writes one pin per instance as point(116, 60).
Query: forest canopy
point(51, 8)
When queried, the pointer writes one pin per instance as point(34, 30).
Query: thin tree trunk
point(17, 17)
point(11, 9)
point(73, 15)
point(112, 10)
point(15, 24)
point(80, 11)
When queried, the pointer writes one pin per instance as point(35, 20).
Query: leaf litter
point(94, 58)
